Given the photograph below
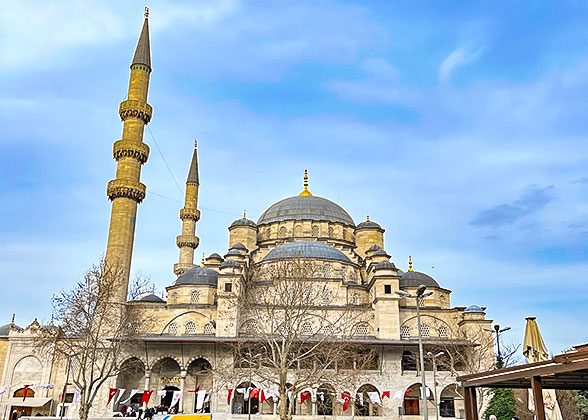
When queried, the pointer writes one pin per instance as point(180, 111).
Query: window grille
point(190, 328)
point(308, 297)
point(173, 328)
point(355, 299)
point(306, 329)
point(315, 231)
point(208, 329)
point(283, 232)
point(327, 270)
point(298, 230)
point(251, 327)
point(326, 296)
point(328, 330)
point(425, 330)
point(443, 331)
point(362, 329)
point(195, 296)
point(404, 331)
point(331, 232)
point(174, 298)
point(421, 301)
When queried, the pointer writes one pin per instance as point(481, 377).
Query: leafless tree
point(93, 332)
point(299, 331)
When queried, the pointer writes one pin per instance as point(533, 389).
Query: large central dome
point(306, 208)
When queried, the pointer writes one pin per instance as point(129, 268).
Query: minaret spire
point(305, 192)
point(126, 191)
point(189, 215)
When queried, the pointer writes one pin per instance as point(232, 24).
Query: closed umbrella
point(535, 351)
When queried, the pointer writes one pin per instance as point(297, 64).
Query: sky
point(460, 127)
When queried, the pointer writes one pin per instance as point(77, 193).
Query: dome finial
point(305, 192)
point(195, 144)
point(244, 214)
point(202, 263)
point(146, 12)
point(367, 219)
point(410, 263)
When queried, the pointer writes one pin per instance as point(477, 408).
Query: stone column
point(183, 374)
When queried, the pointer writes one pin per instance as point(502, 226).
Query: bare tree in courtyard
point(297, 332)
point(93, 331)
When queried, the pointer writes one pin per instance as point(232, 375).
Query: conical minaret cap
point(143, 50)
point(193, 172)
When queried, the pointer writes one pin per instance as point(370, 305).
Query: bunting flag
point(360, 396)
point(262, 396)
point(146, 397)
point(161, 393)
point(385, 394)
point(62, 397)
point(77, 399)
point(200, 395)
point(229, 397)
point(111, 393)
point(345, 397)
point(24, 395)
point(398, 395)
point(375, 398)
point(254, 393)
point(122, 391)
point(175, 398)
point(408, 390)
point(4, 389)
point(321, 395)
point(304, 395)
point(208, 394)
point(133, 392)
point(195, 390)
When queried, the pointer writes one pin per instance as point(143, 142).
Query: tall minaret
point(188, 241)
point(126, 191)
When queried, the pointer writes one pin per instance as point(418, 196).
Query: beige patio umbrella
point(535, 351)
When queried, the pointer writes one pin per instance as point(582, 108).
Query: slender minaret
point(188, 241)
point(126, 191)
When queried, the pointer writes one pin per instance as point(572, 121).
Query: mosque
point(195, 319)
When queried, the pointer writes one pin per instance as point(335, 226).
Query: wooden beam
point(475, 404)
point(468, 403)
point(538, 397)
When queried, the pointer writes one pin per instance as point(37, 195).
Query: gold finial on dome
point(195, 144)
point(305, 192)
point(410, 263)
point(367, 219)
point(244, 214)
point(146, 12)
point(202, 263)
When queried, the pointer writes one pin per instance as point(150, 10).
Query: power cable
point(165, 161)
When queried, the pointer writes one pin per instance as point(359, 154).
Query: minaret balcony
point(181, 268)
point(135, 109)
point(127, 189)
point(190, 214)
point(130, 149)
point(190, 241)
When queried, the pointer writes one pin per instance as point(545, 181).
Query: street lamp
point(434, 357)
point(497, 330)
point(420, 293)
point(250, 361)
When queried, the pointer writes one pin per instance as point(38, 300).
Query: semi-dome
point(416, 278)
point(306, 208)
point(198, 276)
point(306, 249)
point(474, 309)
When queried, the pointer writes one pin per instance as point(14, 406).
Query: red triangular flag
point(345, 397)
point(254, 393)
point(262, 397)
point(24, 395)
point(229, 397)
point(408, 390)
point(111, 393)
point(304, 396)
point(146, 397)
point(386, 394)
point(194, 390)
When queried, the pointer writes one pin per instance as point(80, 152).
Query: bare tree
point(93, 332)
point(298, 331)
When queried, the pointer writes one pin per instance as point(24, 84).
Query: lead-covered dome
point(198, 276)
point(416, 278)
point(306, 249)
point(306, 208)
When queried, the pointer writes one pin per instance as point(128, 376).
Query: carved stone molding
point(190, 214)
point(181, 268)
point(126, 188)
point(135, 109)
point(130, 149)
point(187, 241)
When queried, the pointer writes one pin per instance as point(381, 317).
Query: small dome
point(150, 298)
point(368, 224)
point(5, 330)
point(306, 208)
point(306, 249)
point(373, 248)
point(416, 278)
point(230, 263)
point(233, 251)
point(214, 256)
point(243, 222)
point(380, 253)
point(239, 245)
point(198, 276)
point(474, 309)
point(385, 265)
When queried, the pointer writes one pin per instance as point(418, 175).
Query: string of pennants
point(202, 396)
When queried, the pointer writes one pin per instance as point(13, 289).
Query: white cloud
point(457, 58)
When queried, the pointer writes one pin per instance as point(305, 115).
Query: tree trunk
point(84, 411)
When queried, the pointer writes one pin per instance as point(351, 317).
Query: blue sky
point(459, 126)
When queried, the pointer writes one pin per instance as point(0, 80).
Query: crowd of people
point(136, 410)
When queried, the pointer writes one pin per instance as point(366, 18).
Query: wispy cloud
point(532, 200)
point(458, 57)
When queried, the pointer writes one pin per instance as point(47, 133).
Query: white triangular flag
point(133, 392)
point(121, 391)
point(175, 398)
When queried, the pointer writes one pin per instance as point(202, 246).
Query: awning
point(29, 402)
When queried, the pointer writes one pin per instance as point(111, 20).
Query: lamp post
point(497, 330)
point(434, 357)
point(420, 293)
point(250, 361)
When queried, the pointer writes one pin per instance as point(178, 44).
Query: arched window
point(268, 233)
point(173, 328)
point(361, 329)
point(326, 296)
point(408, 361)
point(209, 328)
point(173, 298)
point(195, 296)
point(355, 298)
point(451, 401)
point(283, 232)
point(368, 401)
point(331, 232)
point(421, 301)
point(404, 331)
point(315, 231)
point(190, 328)
point(298, 230)
point(308, 297)
point(325, 400)
point(442, 331)
point(327, 270)
point(306, 329)
point(412, 399)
